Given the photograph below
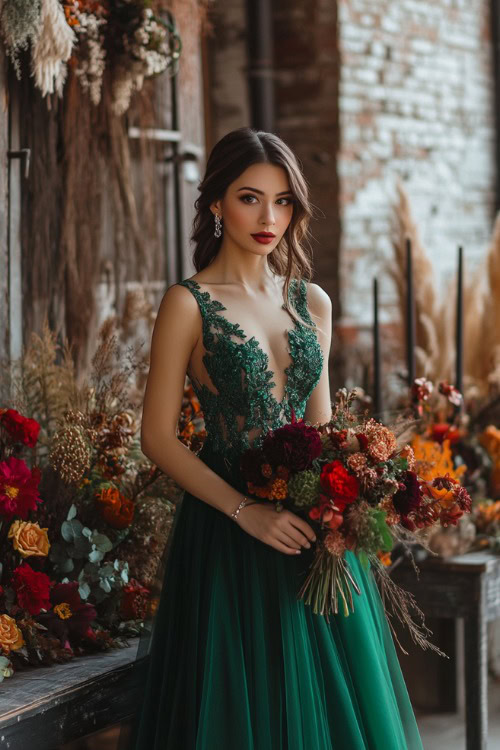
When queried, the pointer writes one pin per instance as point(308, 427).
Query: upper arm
point(176, 331)
point(319, 407)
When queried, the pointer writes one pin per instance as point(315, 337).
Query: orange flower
point(435, 459)
point(11, 638)
point(29, 539)
point(279, 489)
point(384, 557)
point(264, 491)
point(116, 509)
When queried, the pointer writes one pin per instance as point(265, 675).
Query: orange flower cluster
point(277, 486)
point(490, 440)
point(435, 459)
point(487, 515)
point(116, 509)
point(381, 440)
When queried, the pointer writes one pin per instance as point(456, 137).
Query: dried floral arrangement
point(79, 502)
point(130, 37)
point(463, 428)
point(452, 442)
point(435, 313)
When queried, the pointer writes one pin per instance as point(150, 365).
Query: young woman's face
point(258, 201)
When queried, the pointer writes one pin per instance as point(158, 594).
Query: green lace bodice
point(241, 407)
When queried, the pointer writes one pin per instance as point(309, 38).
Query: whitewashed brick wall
point(416, 100)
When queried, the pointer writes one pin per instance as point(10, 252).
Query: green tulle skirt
point(238, 662)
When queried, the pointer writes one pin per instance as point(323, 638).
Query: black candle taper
point(459, 332)
point(410, 316)
point(377, 381)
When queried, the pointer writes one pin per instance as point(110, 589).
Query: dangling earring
point(218, 224)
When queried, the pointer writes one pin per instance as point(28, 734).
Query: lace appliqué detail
point(240, 407)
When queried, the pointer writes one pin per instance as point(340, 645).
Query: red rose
point(21, 429)
point(18, 488)
point(32, 589)
point(339, 484)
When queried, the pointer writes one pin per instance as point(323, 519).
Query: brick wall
point(416, 101)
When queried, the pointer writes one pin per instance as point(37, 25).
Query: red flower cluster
point(20, 429)
point(338, 484)
point(32, 589)
point(134, 602)
point(18, 488)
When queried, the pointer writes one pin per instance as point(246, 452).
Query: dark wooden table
point(46, 707)
point(465, 586)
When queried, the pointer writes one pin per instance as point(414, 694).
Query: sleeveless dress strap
point(301, 303)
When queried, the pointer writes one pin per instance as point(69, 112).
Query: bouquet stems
point(329, 578)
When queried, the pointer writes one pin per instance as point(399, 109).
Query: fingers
point(305, 530)
point(284, 548)
point(288, 540)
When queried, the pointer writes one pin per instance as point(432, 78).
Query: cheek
point(238, 217)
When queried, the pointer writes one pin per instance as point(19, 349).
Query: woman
point(237, 660)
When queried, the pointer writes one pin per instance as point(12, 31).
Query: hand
point(284, 531)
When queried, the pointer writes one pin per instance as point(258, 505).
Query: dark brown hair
point(229, 158)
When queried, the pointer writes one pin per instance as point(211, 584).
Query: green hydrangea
point(304, 488)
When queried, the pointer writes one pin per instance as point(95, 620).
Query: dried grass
point(436, 322)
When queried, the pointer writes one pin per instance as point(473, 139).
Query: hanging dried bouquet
point(134, 39)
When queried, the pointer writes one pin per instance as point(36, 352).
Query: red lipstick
point(264, 237)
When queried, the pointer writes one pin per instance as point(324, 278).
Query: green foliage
point(80, 543)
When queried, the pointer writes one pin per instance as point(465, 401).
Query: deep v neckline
point(238, 331)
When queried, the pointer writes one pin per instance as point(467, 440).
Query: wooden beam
point(4, 258)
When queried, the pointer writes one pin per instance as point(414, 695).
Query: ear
point(215, 207)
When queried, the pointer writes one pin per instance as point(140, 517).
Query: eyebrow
point(284, 192)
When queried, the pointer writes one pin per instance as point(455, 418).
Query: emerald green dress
point(237, 661)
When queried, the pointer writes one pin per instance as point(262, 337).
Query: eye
point(287, 203)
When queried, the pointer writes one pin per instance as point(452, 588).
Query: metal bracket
point(24, 154)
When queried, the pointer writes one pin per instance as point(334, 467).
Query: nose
point(267, 215)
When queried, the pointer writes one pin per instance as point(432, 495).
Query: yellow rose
point(29, 539)
point(11, 637)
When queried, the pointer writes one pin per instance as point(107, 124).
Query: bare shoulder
point(318, 301)
point(178, 300)
point(179, 313)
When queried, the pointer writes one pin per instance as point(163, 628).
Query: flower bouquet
point(84, 515)
point(359, 490)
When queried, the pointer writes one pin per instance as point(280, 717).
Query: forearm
point(183, 466)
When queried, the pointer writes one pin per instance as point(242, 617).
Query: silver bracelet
point(244, 502)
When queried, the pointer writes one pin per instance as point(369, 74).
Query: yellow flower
point(11, 638)
point(63, 610)
point(29, 539)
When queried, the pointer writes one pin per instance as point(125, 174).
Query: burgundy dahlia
point(408, 498)
point(251, 466)
point(294, 445)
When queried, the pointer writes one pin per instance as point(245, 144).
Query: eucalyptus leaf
point(84, 590)
point(102, 542)
point(105, 585)
point(71, 512)
point(71, 530)
point(95, 556)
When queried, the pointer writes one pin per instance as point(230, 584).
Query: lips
point(264, 234)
